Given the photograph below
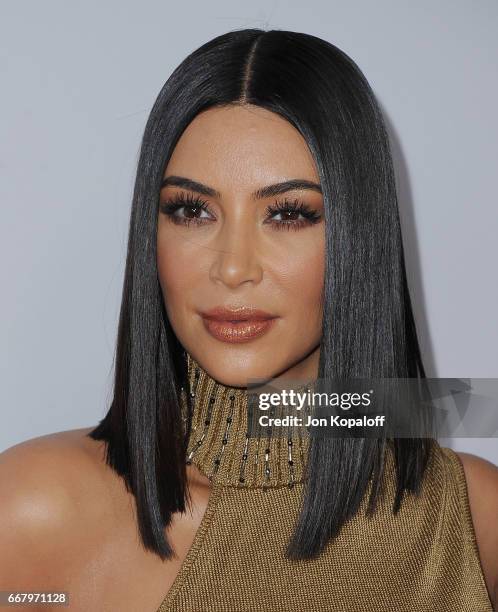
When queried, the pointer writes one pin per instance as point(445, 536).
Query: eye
point(193, 207)
point(293, 214)
point(290, 211)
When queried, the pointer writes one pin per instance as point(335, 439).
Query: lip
point(236, 325)
point(243, 313)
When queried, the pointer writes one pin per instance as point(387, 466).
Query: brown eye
point(193, 210)
point(290, 211)
point(289, 215)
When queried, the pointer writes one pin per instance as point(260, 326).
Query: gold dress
point(423, 559)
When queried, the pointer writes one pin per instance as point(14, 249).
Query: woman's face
point(226, 240)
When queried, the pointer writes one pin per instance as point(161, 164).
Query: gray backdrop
point(78, 80)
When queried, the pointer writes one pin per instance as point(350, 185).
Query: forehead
point(246, 144)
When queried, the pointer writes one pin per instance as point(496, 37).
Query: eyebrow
point(263, 192)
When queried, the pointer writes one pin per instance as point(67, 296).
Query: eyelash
point(190, 202)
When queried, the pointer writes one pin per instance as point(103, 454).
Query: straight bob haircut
point(368, 324)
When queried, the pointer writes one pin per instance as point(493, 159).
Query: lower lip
point(239, 331)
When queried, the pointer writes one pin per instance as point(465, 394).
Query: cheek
point(175, 273)
point(302, 276)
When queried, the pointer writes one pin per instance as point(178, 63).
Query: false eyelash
point(190, 202)
point(180, 200)
point(294, 206)
point(195, 202)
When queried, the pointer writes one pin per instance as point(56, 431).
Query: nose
point(235, 255)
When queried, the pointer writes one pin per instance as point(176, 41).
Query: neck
point(221, 447)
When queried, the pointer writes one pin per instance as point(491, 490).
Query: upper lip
point(244, 313)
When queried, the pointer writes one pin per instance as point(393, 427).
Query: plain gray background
point(78, 81)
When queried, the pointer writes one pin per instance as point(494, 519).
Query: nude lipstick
point(237, 325)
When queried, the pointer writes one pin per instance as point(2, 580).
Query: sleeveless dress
point(424, 559)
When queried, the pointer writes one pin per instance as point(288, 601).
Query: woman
point(264, 243)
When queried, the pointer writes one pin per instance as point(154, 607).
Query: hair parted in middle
point(368, 325)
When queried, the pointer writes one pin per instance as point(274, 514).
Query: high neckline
point(220, 447)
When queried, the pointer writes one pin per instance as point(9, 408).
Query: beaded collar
point(220, 447)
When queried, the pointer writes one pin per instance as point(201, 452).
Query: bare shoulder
point(56, 492)
point(482, 485)
point(52, 468)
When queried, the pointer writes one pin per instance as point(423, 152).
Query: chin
point(236, 370)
